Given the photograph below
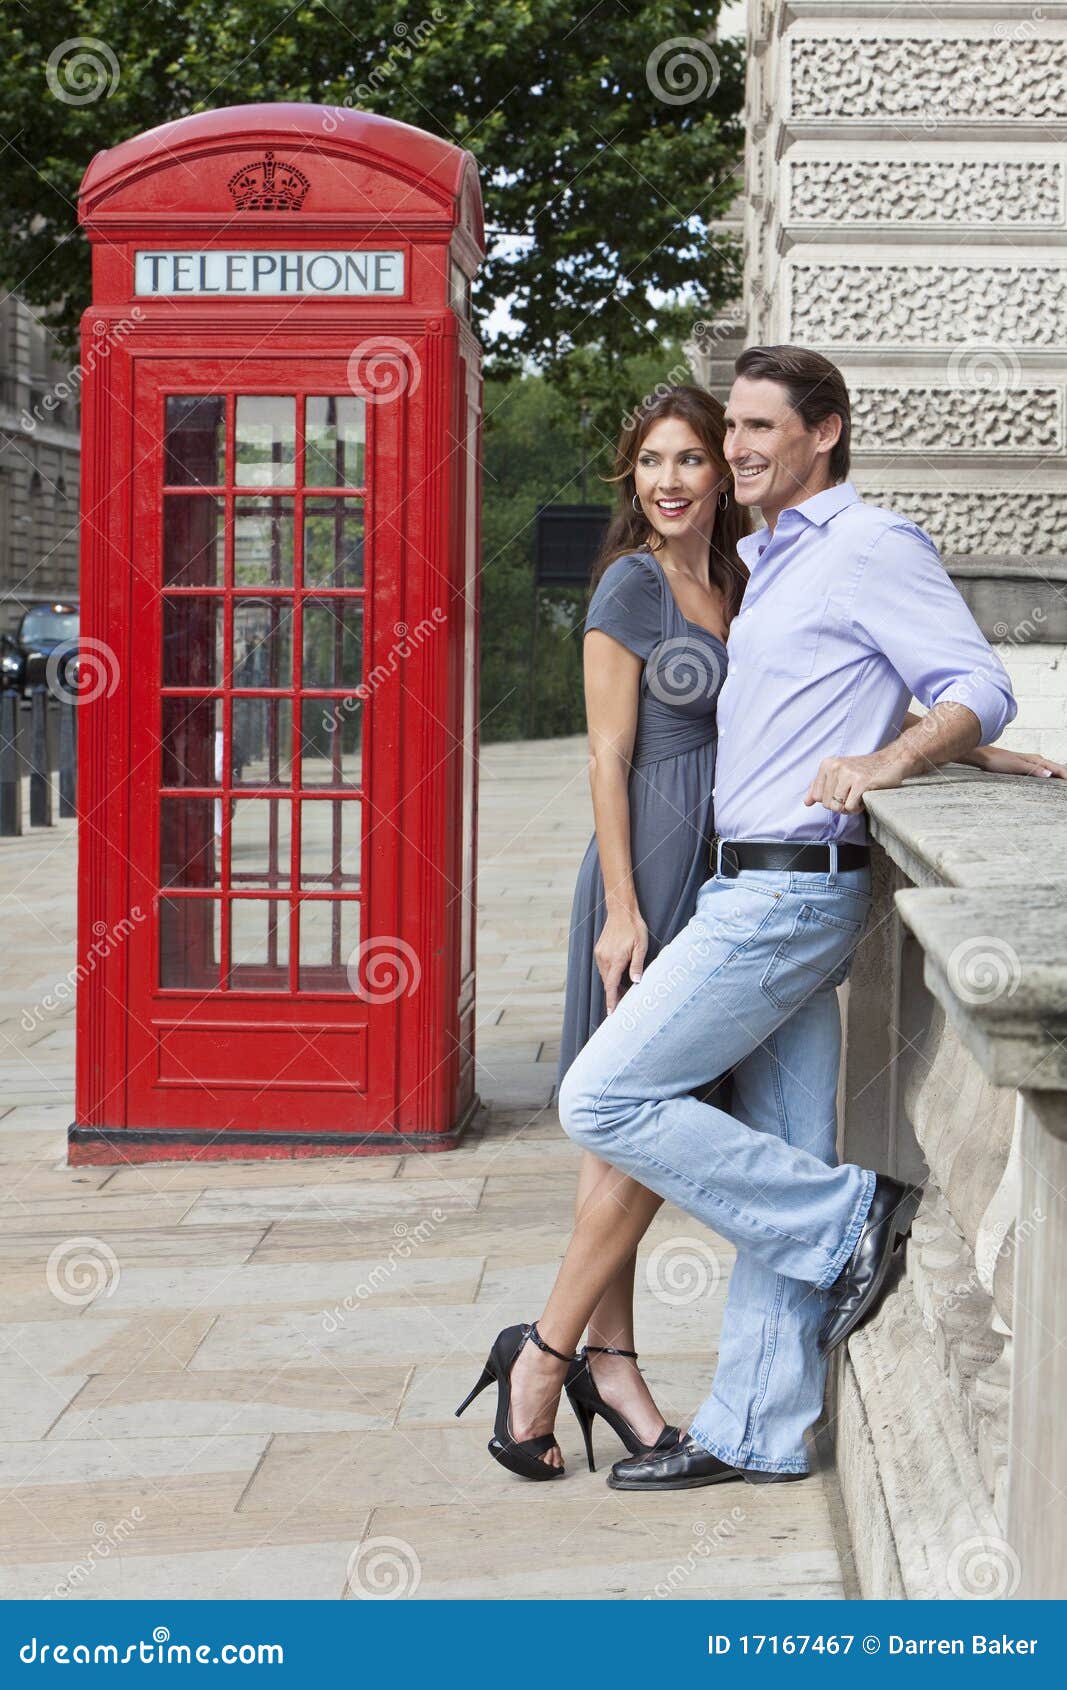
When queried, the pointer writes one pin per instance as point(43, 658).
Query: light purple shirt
point(848, 614)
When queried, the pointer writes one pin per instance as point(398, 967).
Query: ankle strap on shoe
point(532, 1332)
point(608, 1350)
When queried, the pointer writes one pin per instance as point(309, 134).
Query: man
point(847, 614)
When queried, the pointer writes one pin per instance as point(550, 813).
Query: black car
point(46, 629)
point(12, 664)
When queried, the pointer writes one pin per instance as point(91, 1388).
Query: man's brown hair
point(816, 390)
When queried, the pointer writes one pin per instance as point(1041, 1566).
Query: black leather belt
point(788, 856)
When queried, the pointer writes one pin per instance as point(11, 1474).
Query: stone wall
point(906, 215)
point(945, 1406)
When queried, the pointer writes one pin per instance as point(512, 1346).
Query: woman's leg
point(611, 1324)
point(614, 1212)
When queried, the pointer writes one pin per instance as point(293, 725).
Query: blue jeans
point(748, 984)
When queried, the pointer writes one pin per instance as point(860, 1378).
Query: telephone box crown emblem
point(268, 185)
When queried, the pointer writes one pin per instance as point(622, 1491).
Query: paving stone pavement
point(243, 1385)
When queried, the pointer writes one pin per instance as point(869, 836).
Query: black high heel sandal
point(522, 1458)
point(584, 1397)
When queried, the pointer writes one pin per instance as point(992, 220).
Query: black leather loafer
point(685, 1467)
point(861, 1285)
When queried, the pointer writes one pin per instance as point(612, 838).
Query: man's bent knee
point(577, 1109)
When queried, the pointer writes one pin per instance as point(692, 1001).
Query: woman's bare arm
point(612, 688)
point(996, 761)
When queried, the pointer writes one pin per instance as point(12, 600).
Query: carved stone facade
point(977, 192)
point(982, 523)
point(954, 419)
point(905, 213)
point(947, 74)
point(1006, 303)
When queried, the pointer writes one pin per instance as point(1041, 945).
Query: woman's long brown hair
point(630, 530)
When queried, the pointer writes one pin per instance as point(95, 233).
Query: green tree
point(606, 152)
point(538, 451)
point(608, 142)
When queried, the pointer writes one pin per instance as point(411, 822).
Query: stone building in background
point(904, 214)
point(38, 467)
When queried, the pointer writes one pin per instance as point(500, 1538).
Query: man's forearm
point(945, 734)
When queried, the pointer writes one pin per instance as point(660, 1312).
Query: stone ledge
point(988, 855)
point(995, 961)
point(966, 829)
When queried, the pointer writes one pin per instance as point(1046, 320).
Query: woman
point(667, 586)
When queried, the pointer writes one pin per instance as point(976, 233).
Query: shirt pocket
point(793, 634)
point(816, 953)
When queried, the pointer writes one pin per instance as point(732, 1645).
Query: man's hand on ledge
point(995, 761)
point(948, 731)
point(841, 781)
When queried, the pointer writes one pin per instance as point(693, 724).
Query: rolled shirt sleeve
point(907, 607)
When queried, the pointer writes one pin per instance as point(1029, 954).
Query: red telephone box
point(277, 728)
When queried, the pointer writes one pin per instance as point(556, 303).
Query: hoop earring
point(723, 501)
point(636, 502)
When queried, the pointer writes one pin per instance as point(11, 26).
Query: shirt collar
point(817, 510)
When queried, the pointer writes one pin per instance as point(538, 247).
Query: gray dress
point(673, 769)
